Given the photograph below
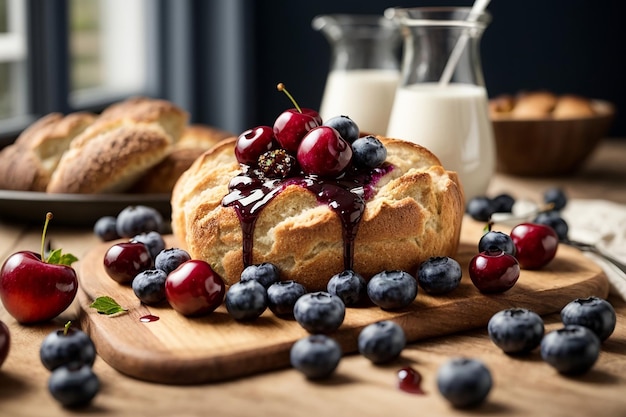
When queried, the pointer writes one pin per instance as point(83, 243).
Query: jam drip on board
point(251, 191)
point(410, 380)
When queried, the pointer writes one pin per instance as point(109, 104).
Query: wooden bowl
point(548, 146)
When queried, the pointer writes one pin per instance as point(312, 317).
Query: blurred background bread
point(139, 145)
point(29, 162)
point(540, 105)
point(127, 139)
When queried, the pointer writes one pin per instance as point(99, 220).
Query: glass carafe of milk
point(364, 68)
point(441, 101)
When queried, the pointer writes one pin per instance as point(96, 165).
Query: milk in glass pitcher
point(364, 68)
point(441, 101)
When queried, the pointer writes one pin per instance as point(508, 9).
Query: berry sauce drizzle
point(148, 318)
point(251, 191)
point(409, 380)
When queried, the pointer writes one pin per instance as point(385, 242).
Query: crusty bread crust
point(28, 163)
point(415, 212)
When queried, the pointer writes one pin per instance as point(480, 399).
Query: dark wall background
point(566, 46)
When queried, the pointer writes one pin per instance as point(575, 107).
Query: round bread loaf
point(413, 210)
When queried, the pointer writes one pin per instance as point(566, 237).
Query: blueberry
point(316, 356)
point(594, 313)
point(571, 350)
point(392, 289)
point(246, 300)
point(153, 241)
point(70, 345)
point(346, 127)
point(382, 341)
point(134, 220)
point(495, 240)
point(556, 197)
point(464, 382)
point(282, 296)
point(516, 330)
point(319, 312)
point(480, 208)
point(266, 274)
point(503, 203)
point(553, 219)
point(149, 286)
point(106, 228)
point(169, 259)
point(368, 152)
point(73, 385)
point(349, 286)
point(439, 275)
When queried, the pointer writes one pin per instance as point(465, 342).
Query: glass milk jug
point(441, 101)
point(364, 68)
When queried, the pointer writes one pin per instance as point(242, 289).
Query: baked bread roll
point(534, 104)
point(195, 140)
point(540, 105)
point(126, 140)
point(571, 106)
point(414, 211)
point(28, 163)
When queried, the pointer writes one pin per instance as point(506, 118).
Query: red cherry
point(123, 261)
point(253, 143)
point(5, 342)
point(536, 244)
point(494, 271)
point(194, 289)
point(34, 291)
point(324, 152)
point(292, 124)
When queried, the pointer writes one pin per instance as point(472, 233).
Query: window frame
point(46, 69)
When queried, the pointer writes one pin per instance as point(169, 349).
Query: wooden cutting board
point(180, 350)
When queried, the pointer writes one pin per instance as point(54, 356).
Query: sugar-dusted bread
point(28, 163)
point(126, 140)
point(414, 211)
point(195, 140)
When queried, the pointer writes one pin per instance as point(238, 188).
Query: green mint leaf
point(107, 305)
point(56, 257)
point(67, 259)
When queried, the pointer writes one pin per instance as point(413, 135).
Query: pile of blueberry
point(69, 354)
point(572, 349)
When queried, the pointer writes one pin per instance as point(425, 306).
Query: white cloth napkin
point(602, 223)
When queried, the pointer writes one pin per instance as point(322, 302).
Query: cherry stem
point(66, 328)
point(43, 235)
point(281, 87)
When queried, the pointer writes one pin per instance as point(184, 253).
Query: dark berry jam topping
point(251, 191)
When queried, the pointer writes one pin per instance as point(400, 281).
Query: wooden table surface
point(522, 386)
